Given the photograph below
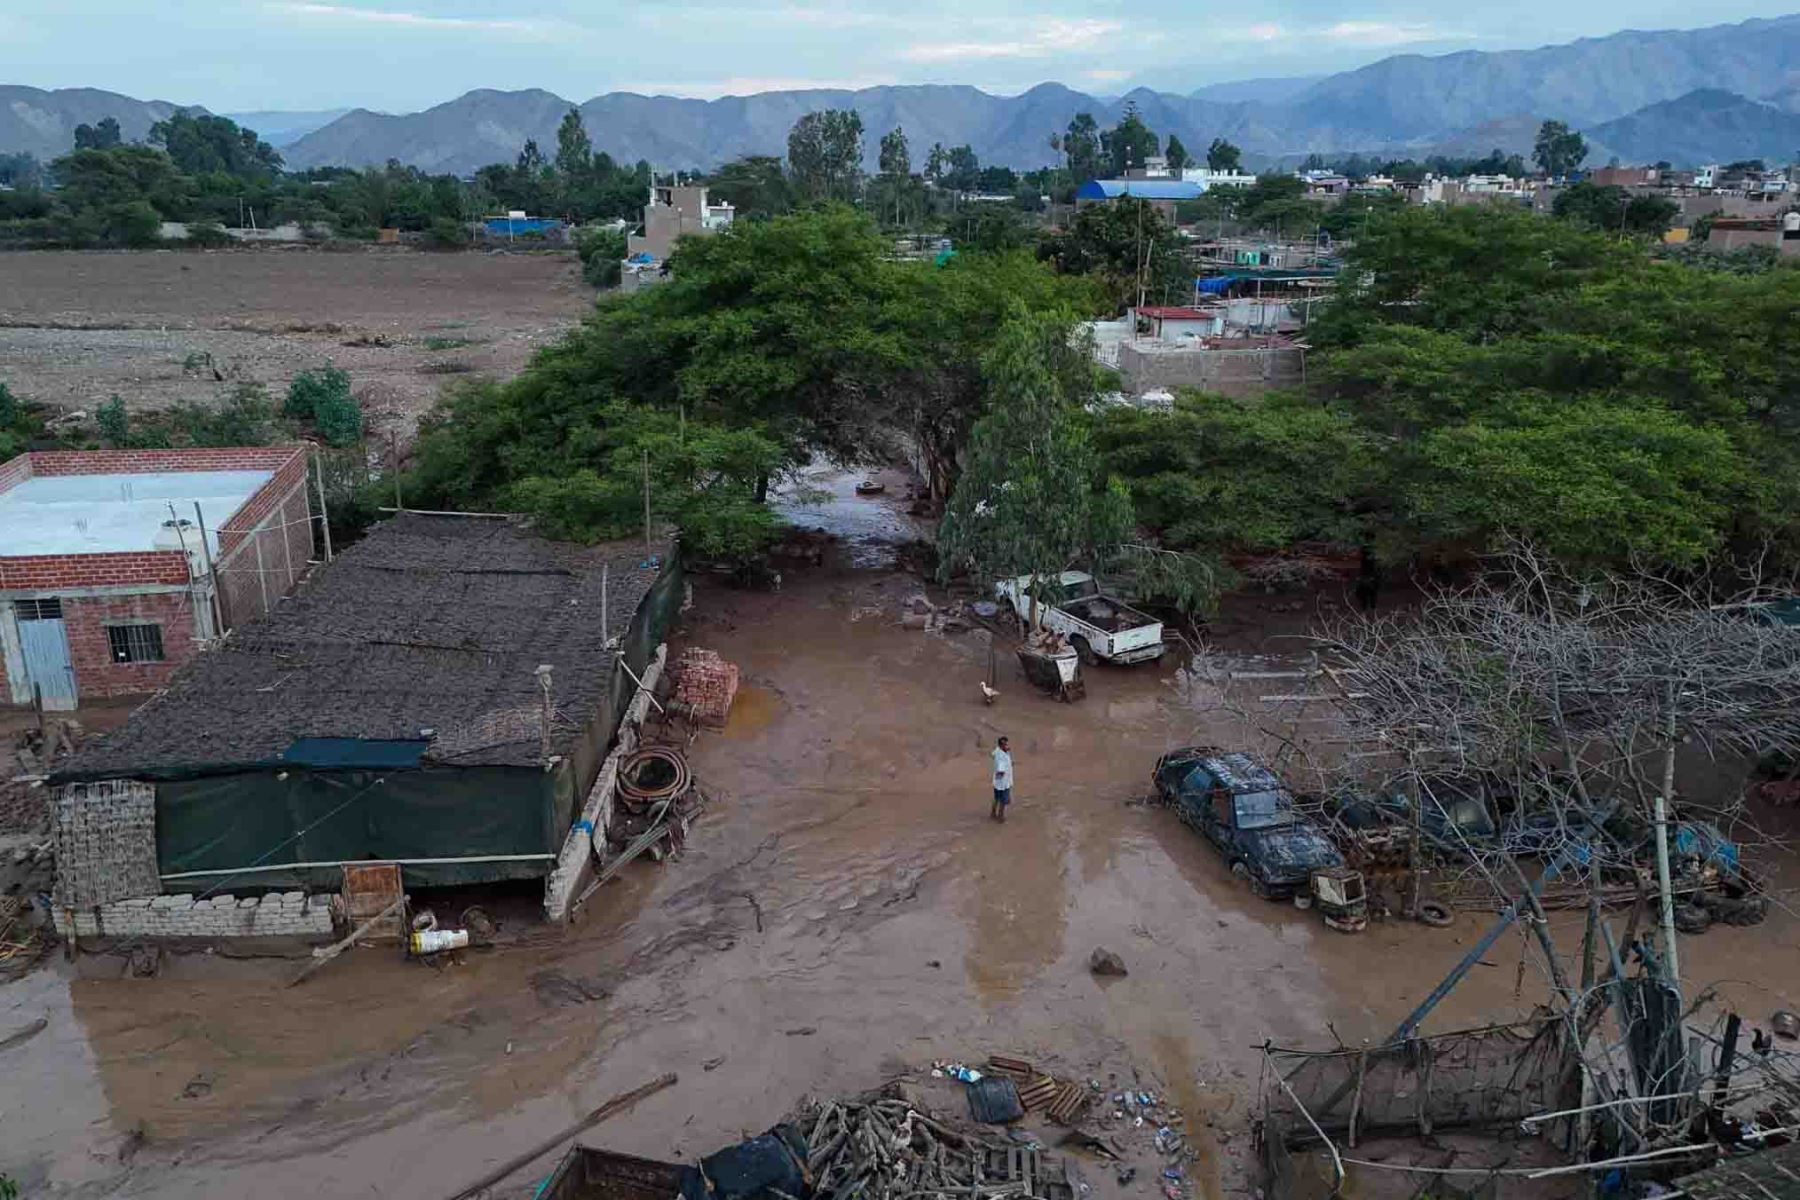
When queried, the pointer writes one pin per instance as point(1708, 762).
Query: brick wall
point(90, 651)
point(105, 462)
point(15, 471)
point(278, 914)
point(285, 543)
point(67, 572)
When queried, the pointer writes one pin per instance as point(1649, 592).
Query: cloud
point(1106, 75)
point(1345, 33)
point(1387, 33)
point(1049, 37)
point(346, 14)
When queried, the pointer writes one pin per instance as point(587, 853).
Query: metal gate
point(45, 645)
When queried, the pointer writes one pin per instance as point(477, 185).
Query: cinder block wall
point(278, 914)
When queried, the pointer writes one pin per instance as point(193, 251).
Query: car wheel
point(1257, 887)
point(1083, 651)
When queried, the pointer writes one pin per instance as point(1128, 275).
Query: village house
point(674, 211)
point(440, 697)
point(117, 565)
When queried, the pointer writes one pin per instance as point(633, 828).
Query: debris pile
point(891, 1148)
point(1061, 1100)
point(705, 686)
point(25, 759)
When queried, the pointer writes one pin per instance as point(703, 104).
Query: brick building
point(115, 565)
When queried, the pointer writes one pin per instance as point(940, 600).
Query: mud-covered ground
point(845, 910)
point(158, 327)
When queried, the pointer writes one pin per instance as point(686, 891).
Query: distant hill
point(1404, 105)
point(281, 129)
point(1708, 125)
point(43, 123)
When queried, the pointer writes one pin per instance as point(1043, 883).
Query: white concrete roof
point(103, 514)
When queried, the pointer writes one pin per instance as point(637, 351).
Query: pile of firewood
point(889, 1149)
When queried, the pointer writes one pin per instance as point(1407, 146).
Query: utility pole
point(212, 575)
point(646, 506)
point(1666, 898)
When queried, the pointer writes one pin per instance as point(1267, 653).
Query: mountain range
point(1691, 96)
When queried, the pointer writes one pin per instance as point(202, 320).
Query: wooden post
point(394, 454)
point(321, 957)
point(212, 575)
point(324, 515)
point(646, 506)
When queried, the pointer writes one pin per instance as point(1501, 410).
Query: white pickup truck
point(1098, 626)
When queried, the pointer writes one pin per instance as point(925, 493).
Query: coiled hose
point(636, 795)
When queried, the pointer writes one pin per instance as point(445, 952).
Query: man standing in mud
point(1003, 779)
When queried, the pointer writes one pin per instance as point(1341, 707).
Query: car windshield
point(1081, 589)
point(1262, 810)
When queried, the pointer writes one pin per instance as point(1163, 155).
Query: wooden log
point(321, 957)
point(611, 1108)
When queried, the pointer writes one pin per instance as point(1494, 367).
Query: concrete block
point(248, 902)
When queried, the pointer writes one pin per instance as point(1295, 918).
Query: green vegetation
point(19, 424)
point(1558, 149)
point(323, 398)
point(776, 340)
point(602, 250)
point(1615, 209)
point(1122, 246)
point(1485, 374)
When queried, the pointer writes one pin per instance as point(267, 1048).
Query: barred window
point(135, 643)
point(39, 610)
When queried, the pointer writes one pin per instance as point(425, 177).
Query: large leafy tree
point(1223, 156)
point(1558, 149)
point(1126, 145)
point(1616, 209)
point(102, 135)
point(1081, 147)
point(1125, 246)
point(755, 185)
point(824, 153)
point(574, 149)
point(206, 144)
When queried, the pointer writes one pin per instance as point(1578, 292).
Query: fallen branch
point(611, 1108)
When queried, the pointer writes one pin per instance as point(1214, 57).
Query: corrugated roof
point(1141, 189)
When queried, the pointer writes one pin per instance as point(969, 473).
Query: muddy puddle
point(845, 910)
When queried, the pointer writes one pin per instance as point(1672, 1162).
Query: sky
point(403, 55)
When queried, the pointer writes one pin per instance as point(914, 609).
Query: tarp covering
point(232, 821)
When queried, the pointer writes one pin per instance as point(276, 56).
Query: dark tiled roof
point(429, 622)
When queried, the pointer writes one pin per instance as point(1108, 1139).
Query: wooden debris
point(889, 1149)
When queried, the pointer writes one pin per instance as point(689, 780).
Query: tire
point(1083, 651)
point(1258, 888)
point(1435, 914)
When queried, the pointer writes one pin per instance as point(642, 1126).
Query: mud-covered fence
point(1469, 1079)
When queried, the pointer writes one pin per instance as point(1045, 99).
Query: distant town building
point(1208, 178)
point(674, 211)
point(1737, 233)
point(1161, 194)
point(118, 564)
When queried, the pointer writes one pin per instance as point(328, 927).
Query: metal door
point(45, 644)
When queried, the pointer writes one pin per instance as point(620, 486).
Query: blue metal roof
point(1141, 189)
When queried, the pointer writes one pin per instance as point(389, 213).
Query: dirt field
point(76, 328)
point(846, 910)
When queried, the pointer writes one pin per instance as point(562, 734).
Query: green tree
point(1081, 147)
point(1127, 248)
point(113, 423)
point(896, 159)
point(323, 397)
point(1178, 156)
point(1223, 156)
point(825, 154)
point(203, 144)
point(1026, 503)
point(1126, 145)
point(1616, 209)
point(1558, 149)
point(103, 135)
point(602, 252)
point(756, 186)
point(574, 149)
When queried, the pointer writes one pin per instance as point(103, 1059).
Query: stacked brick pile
point(105, 839)
point(706, 684)
point(278, 914)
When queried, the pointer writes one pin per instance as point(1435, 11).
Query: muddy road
point(845, 910)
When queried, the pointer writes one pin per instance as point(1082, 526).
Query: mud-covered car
point(1240, 806)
